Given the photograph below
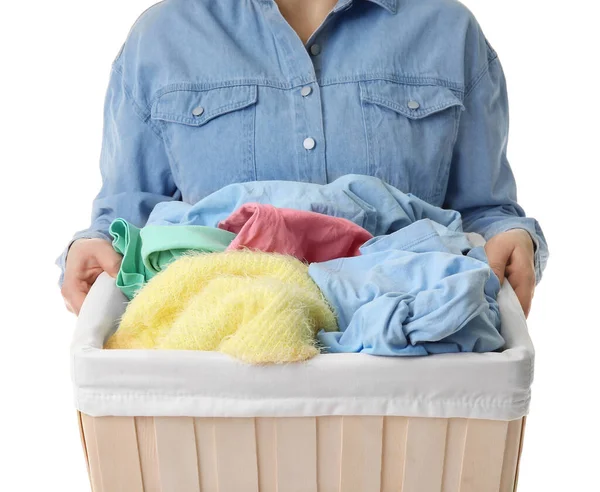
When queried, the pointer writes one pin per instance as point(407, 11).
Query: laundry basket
point(179, 421)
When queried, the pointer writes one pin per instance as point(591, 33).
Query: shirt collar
point(390, 5)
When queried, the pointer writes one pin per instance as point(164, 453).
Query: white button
point(413, 105)
point(306, 90)
point(309, 143)
point(315, 49)
point(198, 111)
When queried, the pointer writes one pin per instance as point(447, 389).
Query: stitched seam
point(402, 79)
point(418, 241)
point(471, 86)
point(144, 117)
point(252, 143)
point(200, 121)
point(412, 115)
point(271, 11)
point(206, 86)
point(248, 150)
point(143, 394)
point(446, 164)
point(361, 77)
point(492, 55)
point(367, 130)
point(175, 168)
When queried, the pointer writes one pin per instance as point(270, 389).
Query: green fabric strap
point(149, 250)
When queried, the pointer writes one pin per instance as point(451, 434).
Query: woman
point(204, 94)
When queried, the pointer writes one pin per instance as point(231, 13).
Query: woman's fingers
point(498, 251)
point(511, 254)
point(87, 258)
point(521, 275)
point(108, 259)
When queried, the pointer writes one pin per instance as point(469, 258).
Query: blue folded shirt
point(421, 290)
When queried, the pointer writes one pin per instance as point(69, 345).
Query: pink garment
point(309, 236)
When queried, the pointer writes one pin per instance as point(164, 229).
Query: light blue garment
point(421, 290)
point(367, 201)
point(204, 94)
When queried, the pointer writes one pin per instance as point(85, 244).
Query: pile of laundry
point(278, 271)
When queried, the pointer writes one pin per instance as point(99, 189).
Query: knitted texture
point(257, 307)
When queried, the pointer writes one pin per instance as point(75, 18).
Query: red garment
point(309, 236)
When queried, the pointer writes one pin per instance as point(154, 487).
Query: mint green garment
point(149, 250)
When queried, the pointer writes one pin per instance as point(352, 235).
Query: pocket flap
point(196, 107)
point(412, 101)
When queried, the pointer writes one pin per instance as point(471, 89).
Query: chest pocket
point(411, 131)
point(210, 136)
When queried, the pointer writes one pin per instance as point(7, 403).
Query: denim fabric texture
point(204, 94)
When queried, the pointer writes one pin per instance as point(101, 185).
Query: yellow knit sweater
point(258, 307)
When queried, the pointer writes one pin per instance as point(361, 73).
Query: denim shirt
point(207, 93)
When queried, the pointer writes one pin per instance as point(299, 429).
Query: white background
point(55, 63)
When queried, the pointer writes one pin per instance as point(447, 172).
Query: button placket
point(313, 107)
point(312, 134)
point(304, 68)
point(308, 143)
point(313, 139)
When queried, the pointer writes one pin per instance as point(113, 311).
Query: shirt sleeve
point(481, 184)
point(135, 168)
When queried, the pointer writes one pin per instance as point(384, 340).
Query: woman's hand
point(510, 255)
point(87, 258)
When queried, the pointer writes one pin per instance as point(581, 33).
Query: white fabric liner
point(178, 383)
